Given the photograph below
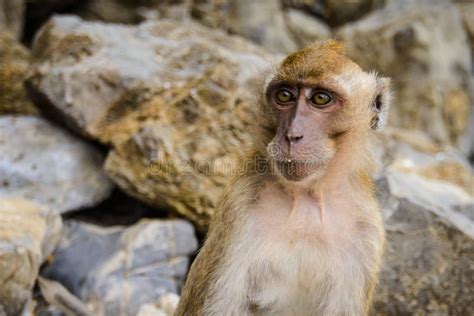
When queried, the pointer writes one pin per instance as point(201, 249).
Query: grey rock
point(28, 235)
point(422, 46)
point(117, 270)
point(305, 28)
point(429, 259)
point(263, 22)
point(42, 163)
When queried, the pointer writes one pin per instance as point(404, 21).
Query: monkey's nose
point(293, 139)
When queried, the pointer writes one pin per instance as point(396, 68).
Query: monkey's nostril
point(294, 139)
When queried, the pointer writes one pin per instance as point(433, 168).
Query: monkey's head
point(317, 105)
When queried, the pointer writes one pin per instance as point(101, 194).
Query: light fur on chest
point(286, 263)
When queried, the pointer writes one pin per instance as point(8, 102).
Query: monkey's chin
point(296, 171)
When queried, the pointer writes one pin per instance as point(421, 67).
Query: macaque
point(299, 231)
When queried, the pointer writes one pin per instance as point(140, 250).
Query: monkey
point(298, 230)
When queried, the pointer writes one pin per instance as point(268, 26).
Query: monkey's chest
point(303, 261)
point(298, 279)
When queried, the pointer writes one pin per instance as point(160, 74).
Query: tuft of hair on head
point(315, 60)
point(329, 47)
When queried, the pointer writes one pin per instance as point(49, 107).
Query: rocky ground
point(120, 122)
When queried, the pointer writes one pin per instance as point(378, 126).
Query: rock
point(165, 307)
point(336, 12)
point(150, 310)
point(11, 17)
point(306, 29)
point(133, 12)
point(429, 260)
point(124, 268)
point(14, 64)
point(174, 101)
point(42, 163)
point(342, 11)
point(116, 11)
point(432, 86)
point(57, 295)
point(466, 8)
point(28, 235)
point(212, 13)
point(263, 22)
point(169, 302)
point(413, 152)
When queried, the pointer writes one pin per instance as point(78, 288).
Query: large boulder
point(14, 65)
point(28, 235)
point(422, 45)
point(427, 196)
point(429, 259)
point(43, 163)
point(174, 100)
point(116, 270)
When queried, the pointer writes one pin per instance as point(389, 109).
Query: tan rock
point(14, 64)
point(28, 235)
point(174, 101)
point(12, 17)
point(412, 152)
point(466, 8)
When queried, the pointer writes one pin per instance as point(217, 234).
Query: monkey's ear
point(381, 103)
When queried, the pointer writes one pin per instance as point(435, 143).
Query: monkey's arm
point(206, 267)
point(200, 277)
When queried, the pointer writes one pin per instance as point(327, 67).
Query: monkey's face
point(304, 140)
point(315, 120)
point(318, 104)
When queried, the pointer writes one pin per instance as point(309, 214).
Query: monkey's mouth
point(296, 170)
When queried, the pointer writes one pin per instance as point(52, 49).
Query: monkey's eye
point(321, 98)
point(284, 96)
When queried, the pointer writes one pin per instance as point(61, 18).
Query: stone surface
point(174, 101)
point(14, 64)
point(124, 268)
point(263, 22)
point(305, 28)
point(11, 17)
point(413, 152)
point(421, 45)
point(28, 235)
point(429, 260)
point(40, 162)
point(336, 12)
point(467, 12)
point(166, 306)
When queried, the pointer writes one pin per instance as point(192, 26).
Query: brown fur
point(306, 247)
